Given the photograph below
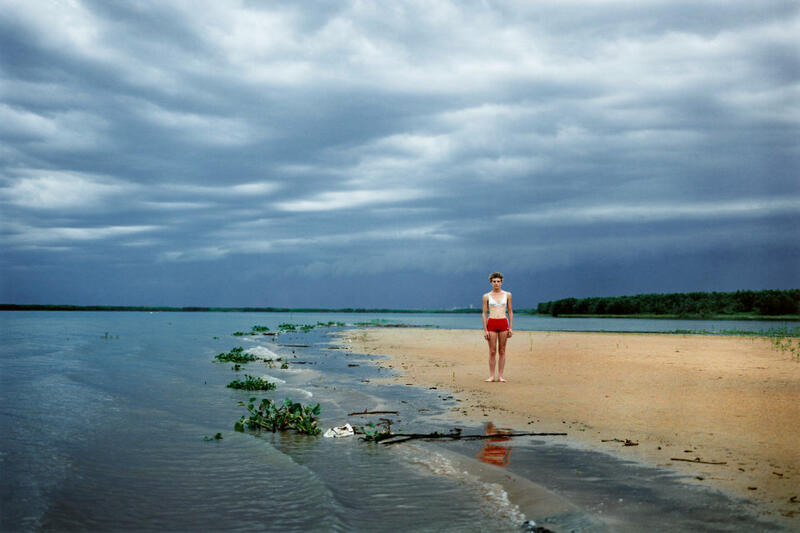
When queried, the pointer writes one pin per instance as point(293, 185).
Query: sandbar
point(716, 399)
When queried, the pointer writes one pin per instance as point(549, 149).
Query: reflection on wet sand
point(493, 453)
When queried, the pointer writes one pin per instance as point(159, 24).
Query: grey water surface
point(103, 417)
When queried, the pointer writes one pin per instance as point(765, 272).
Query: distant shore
point(195, 309)
point(723, 410)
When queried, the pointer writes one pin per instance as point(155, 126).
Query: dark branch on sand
point(394, 438)
point(365, 412)
point(697, 460)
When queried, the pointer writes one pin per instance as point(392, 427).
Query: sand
point(732, 400)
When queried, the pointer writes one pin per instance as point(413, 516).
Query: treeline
point(691, 304)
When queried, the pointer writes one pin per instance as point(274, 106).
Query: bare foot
point(489, 379)
point(502, 380)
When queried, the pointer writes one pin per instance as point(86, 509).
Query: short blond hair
point(495, 275)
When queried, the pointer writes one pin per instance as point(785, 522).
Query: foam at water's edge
point(307, 394)
point(272, 379)
point(262, 351)
point(493, 493)
point(515, 499)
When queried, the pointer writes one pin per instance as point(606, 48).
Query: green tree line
point(757, 303)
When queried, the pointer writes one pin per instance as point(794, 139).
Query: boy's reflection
point(493, 453)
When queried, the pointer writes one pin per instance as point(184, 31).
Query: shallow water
point(103, 417)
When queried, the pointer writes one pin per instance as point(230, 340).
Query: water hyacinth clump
point(251, 383)
point(236, 355)
point(255, 330)
point(273, 417)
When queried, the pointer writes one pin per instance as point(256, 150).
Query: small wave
point(493, 493)
point(272, 379)
point(262, 351)
point(303, 391)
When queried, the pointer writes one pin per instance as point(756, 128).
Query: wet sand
point(731, 400)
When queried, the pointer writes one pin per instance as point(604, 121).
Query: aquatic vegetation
point(218, 436)
point(374, 433)
point(255, 330)
point(251, 383)
point(305, 328)
point(284, 366)
point(330, 323)
point(273, 417)
point(236, 355)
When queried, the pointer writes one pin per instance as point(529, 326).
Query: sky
point(393, 154)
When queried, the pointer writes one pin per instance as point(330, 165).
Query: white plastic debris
point(342, 431)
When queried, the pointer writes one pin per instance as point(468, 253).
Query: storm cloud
point(372, 154)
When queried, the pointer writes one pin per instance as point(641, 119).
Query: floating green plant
point(251, 383)
point(330, 324)
point(373, 433)
point(260, 329)
point(270, 416)
point(236, 355)
point(218, 436)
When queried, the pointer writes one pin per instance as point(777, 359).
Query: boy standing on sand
point(497, 328)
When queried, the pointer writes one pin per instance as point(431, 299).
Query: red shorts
point(497, 324)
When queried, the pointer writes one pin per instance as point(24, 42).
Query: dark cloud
point(372, 155)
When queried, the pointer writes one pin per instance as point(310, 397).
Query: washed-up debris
point(341, 431)
point(395, 438)
point(626, 442)
point(698, 460)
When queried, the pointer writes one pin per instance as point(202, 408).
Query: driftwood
point(626, 442)
point(365, 412)
point(294, 345)
point(394, 438)
point(697, 460)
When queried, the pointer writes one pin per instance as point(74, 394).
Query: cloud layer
point(364, 153)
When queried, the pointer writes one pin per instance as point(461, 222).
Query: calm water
point(103, 417)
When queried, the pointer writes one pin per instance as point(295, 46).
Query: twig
point(403, 437)
point(626, 442)
point(365, 412)
point(697, 460)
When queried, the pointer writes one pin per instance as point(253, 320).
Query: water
point(103, 418)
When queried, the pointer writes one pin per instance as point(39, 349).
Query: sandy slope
point(720, 399)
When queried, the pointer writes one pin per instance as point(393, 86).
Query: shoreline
point(731, 400)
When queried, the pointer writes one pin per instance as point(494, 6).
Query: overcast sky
point(393, 154)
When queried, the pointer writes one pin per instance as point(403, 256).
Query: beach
point(724, 410)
